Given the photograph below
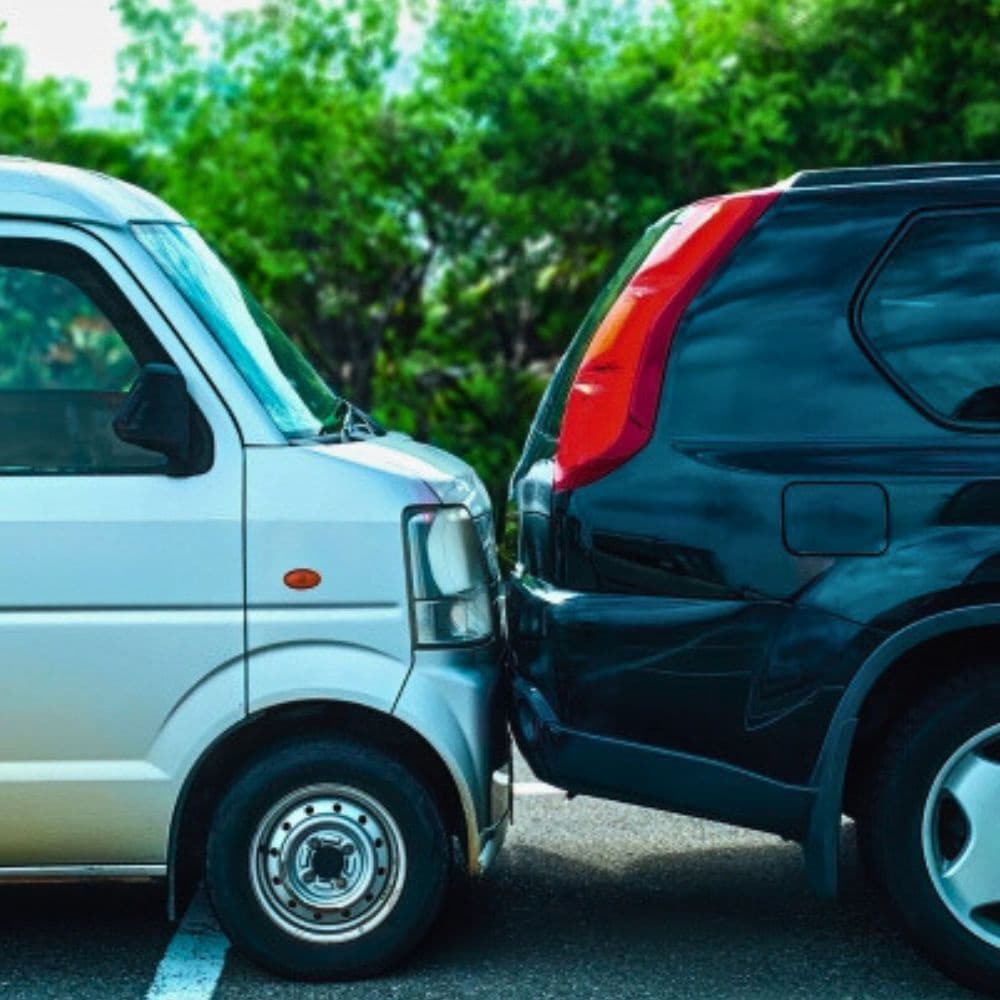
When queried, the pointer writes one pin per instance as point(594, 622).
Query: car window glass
point(70, 348)
point(932, 314)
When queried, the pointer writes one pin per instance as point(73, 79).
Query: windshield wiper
point(359, 424)
point(350, 423)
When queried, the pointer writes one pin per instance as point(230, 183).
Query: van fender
point(451, 699)
point(276, 676)
point(335, 673)
point(324, 671)
point(441, 698)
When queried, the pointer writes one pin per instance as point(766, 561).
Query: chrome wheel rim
point(961, 835)
point(327, 863)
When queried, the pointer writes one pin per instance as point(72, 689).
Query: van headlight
point(450, 576)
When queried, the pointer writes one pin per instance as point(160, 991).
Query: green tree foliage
point(296, 172)
point(432, 228)
point(40, 118)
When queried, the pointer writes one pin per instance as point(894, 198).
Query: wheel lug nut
point(341, 883)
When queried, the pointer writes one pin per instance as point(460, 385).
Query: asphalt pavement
point(589, 899)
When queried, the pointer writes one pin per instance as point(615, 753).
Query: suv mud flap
point(822, 844)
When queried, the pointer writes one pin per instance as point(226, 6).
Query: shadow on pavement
point(733, 921)
point(80, 941)
point(727, 920)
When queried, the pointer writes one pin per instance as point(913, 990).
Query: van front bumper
point(456, 700)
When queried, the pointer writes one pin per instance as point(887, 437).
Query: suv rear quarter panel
point(768, 389)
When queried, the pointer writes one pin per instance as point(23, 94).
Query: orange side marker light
point(302, 579)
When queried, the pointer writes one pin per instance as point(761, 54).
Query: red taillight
point(611, 408)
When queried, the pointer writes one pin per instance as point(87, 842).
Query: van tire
point(916, 756)
point(378, 832)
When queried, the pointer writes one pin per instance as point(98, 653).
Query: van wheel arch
point(253, 736)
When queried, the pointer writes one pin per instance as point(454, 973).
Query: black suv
point(759, 536)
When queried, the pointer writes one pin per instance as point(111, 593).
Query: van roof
point(34, 189)
point(896, 174)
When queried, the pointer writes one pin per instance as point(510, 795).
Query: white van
point(245, 633)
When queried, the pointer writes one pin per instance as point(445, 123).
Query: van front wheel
point(327, 859)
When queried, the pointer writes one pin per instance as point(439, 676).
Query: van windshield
point(299, 402)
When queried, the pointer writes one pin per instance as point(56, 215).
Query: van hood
point(450, 479)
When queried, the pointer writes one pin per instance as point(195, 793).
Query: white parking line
point(536, 788)
point(194, 959)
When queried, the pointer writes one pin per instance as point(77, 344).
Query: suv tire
point(935, 786)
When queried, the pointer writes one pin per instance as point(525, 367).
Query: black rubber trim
point(609, 768)
point(822, 844)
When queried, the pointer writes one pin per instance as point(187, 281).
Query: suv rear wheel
point(933, 826)
point(327, 859)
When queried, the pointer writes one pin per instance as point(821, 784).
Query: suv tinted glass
point(932, 314)
point(70, 348)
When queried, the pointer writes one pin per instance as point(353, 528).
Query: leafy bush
point(432, 226)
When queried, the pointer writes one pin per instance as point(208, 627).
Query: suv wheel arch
point(896, 671)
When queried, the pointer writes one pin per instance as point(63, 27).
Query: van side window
point(932, 314)
point(70, 347)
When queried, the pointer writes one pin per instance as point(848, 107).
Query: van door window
point(932, 315)
point(70, 347)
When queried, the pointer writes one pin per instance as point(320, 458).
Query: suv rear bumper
point(545, 639)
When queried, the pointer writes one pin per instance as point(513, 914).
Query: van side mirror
point(156, 414)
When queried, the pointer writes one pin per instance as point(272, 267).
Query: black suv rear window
point(932, 314)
